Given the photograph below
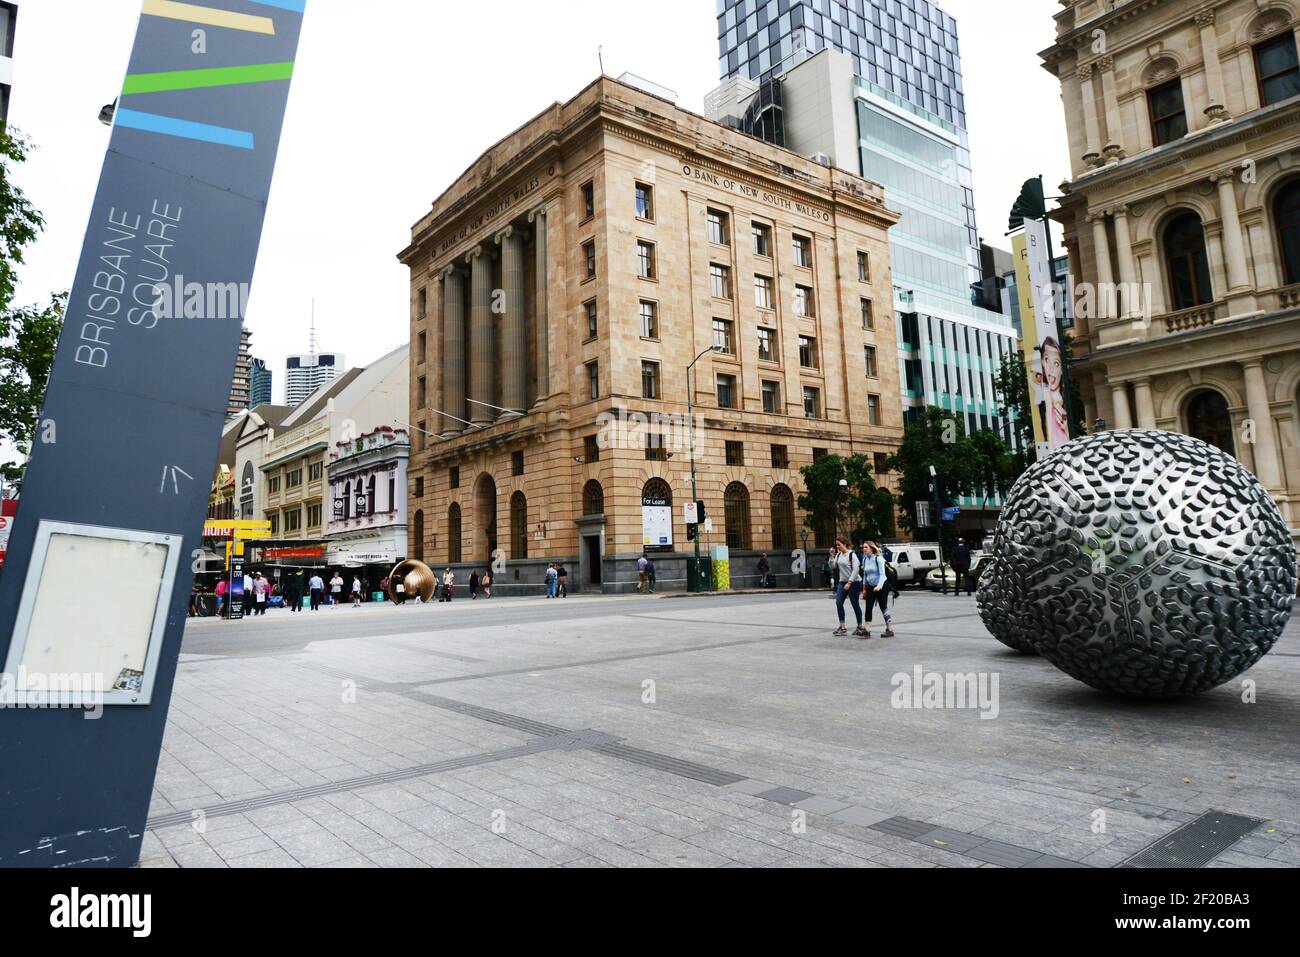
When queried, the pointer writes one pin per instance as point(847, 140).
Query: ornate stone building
point(562, 287)
point(1184, 127)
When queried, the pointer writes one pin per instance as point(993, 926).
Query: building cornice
point(1163, 343)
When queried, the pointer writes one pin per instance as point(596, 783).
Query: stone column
point(1267, 469)
point(481, 360)
point(1215, 110)
point(1127, 268)
point(1092, 154)
point(514, 330)
point(1234, 246)
point(541, 307)
point(1146, 407)
point(1113, 150)
point(1105, 277)
point(1119, 396)
point(453, 351)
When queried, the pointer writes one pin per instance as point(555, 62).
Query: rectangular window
point(812, 403)
point(819, 454)
point(772, 397)
point(593, 319)
point(649, 380)
point(645, 260)
point(453, 476)
point(293, 479)
point(724, 339)
point(588, 201)
point(1168, 114)
point(879, 459)
point(419, 486)
point(593, 379)
point(763, 292)
point(762, 240)
point(315, 471)
point(726, 391)
point(423, 350)
point(591, 448)
point(421, 393)
point(803, 252)
point(422, 303)
point(293, 520)
point(649, 320)
point(720, 281)
point(873, 410)
point(313, 516)
point(645, 201)
point(780, 457)
point(273, 485)
point(655, 449)
point(766, 344)
point(808, 352)
point(869, 353)
point(868, 315)
point(864, 267)
point(421, 436)
point(1279, 71)
point(274, 519)
point(517, 463)
point(589, 254)
point(803, 302)
point(719, 228)
point(735, 453)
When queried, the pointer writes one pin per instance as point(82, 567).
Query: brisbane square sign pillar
point(94, 593)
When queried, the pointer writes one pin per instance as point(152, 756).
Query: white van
point(914, 560)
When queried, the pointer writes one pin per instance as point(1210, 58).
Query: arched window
point(782, 517)
point(659, 490)
point(453, 534)
point(1189, 269)
point(371, 497)
point(347, 501)
point(419, 536)
point(518, 525)
point(593, 499)
point(1209, 420)
point(1286, 215)
point(736, 511)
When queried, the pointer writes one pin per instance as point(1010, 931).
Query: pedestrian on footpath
point(293, 591)
point(765, 573)
point(848, 584)
point(317, 588)
point(553, 580)
point(650, 573)
point(473, 585)
point(248, 595)
point(356, 592)
point(336, 589)
point(875, 588)
point(260, 588)
point(448, 583)
point(487, 585)
point(960, 568)
point(641, 580)
point(562, 574)
point(830, 569)
point(222, 587)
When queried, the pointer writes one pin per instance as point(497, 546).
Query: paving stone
point(1006, 855)
point(784, 795)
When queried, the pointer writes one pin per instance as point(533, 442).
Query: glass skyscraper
point(875, 88)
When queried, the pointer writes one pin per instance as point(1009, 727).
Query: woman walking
point(848, 584)
point(473, 585)
point(877, 589)
point(487, 584)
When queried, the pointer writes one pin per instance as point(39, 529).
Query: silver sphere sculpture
point(1142, 563)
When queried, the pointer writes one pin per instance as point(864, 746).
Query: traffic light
point(691, 531)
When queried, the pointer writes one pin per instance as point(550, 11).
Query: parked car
point(913, 561)
point(943, 578)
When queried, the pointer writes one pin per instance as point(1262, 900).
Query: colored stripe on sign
point(184, 129)
point(297, 6)
point(193, 13)
point(206, 78)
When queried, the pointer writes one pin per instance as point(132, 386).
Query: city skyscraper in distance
point(304, 374)
point(260, 383)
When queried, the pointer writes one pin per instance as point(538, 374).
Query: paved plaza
point(692, 731)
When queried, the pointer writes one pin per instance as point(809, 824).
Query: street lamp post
point(936, 489)
point(690, 435)
point(841, 489)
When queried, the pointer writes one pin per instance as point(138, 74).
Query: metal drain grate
point(677, 766)
point(1196, 843)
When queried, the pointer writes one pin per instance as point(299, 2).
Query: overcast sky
point(393, 99)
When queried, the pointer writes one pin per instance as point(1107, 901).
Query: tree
point(862, 511)
point(28, 336)
point(936, 438)
point(993, 464)
point(26, 357)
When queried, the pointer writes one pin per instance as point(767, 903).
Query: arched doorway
point(1186, 262)
point(518, 525)
point(782, 517)
point(485, 518)
point(1286, 218)
point(1209, 420)
point(453, 534)
point(735, 503)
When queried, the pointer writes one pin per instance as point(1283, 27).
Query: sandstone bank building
point(562, 287)
point(1184, 127)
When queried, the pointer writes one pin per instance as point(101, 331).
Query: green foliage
point(937, 438)
point(19, 221)
point(862, 510)
point(26, 357)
